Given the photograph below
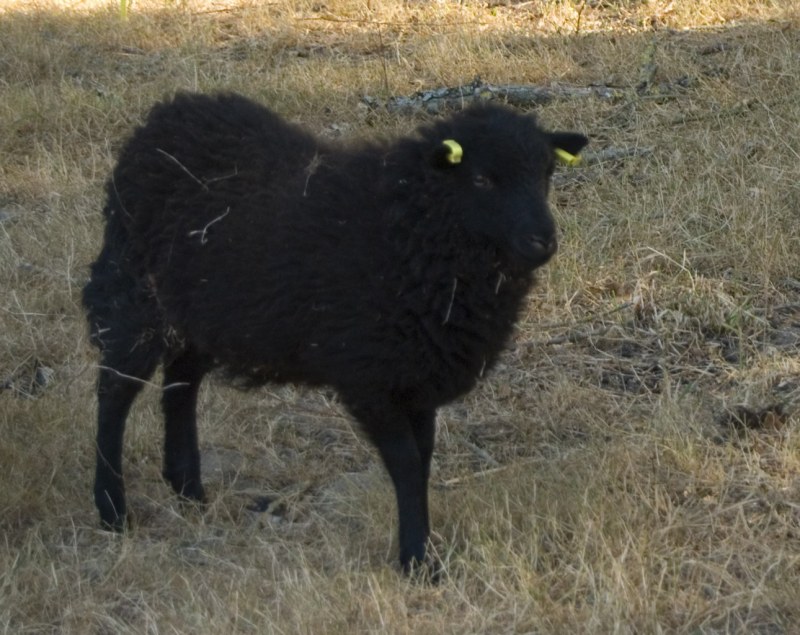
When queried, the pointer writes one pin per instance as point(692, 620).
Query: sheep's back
point(289, 260)
point(246, 230)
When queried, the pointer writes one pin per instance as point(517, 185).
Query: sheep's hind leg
point(182, 378)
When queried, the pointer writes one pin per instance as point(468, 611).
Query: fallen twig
point(737, 109)
point(460, 479)
point(143, 382)
point(482, 454)
point(572, 337)
point(439, 99)
point(436, 100)
point(612, 154)
point(589, 318)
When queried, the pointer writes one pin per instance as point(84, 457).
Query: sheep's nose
point(534, 249)
point(544, 247)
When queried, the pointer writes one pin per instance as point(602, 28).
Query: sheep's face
point(499, 165)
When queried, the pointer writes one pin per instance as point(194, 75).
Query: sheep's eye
point(482, 181)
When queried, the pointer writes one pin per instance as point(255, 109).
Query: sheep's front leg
point(115, 395)
point(405, 443)
point(122, 376)
point(424, 428)
point(182, 378)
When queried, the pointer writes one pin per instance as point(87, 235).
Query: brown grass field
point(632, 465)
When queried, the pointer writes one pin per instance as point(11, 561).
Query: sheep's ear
point(448, 153)
point(567, 145)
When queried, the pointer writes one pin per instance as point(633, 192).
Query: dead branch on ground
point(437, 100)
point(455, 98)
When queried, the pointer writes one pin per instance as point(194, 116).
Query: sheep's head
point(498, 165)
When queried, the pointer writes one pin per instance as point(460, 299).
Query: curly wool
point(237, 240)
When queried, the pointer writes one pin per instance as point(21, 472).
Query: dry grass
point(632, 466)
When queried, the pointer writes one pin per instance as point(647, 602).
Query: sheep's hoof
point(192, 493)
point(430, 571)
point(190, 489)
point(113, 516)
point(118, 525)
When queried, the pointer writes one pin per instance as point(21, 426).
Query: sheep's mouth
point(534, 250)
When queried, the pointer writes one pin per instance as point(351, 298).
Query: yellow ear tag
point(566, 157)
point(455, 151)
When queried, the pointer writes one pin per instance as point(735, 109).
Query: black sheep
point(392, 272)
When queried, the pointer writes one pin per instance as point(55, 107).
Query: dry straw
point(631, 466)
